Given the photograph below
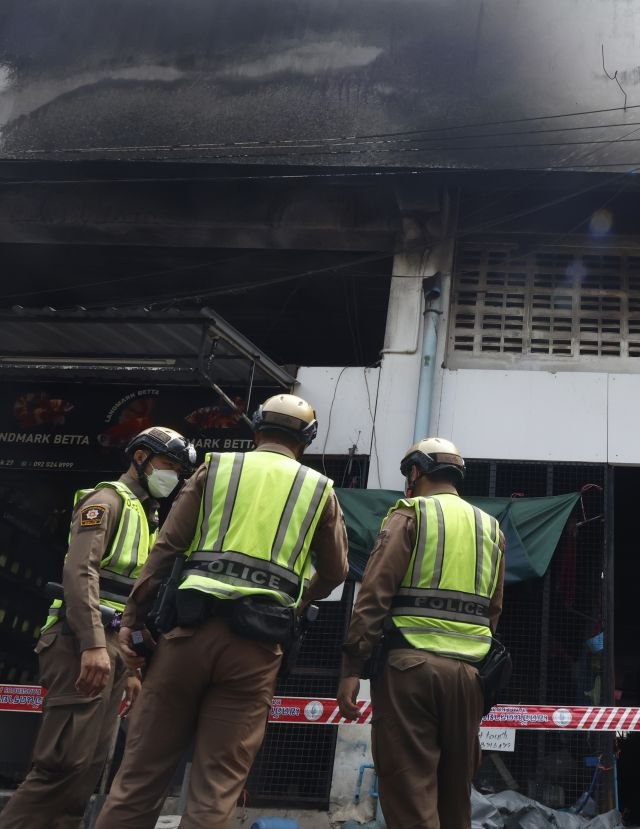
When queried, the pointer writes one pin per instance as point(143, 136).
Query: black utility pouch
point(192, 607)
point(494, 672)
point(263, 620)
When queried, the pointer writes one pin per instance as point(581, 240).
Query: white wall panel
point(526, 415)
point(624, 418)
point(344, 399)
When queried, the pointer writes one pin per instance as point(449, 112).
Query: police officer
point(247, 524)
point(434, 584)
point(112, 529)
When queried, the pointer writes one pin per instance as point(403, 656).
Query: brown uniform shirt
point(329, 543)
point(89, 542)
point(383, 574)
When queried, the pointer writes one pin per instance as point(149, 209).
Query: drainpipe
point(432, 290)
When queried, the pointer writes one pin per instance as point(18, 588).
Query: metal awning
point(135, 345)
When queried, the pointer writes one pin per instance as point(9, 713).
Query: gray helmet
point(287, 413)
point(431, 455)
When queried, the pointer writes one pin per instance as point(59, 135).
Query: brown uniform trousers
point(73, 741)
point(427, 711)
point(206, 682)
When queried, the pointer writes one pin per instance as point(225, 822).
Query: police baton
point(308, 616)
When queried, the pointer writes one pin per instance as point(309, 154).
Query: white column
point(399, 371)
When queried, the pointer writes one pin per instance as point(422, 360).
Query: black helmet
point(287, 413)
point(164, 441)
point(431, 455)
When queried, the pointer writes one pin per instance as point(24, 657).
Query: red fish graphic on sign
point(216, 417)
point(38, 409)
point(133, 419)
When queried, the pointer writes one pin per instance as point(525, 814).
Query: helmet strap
point(139, 467)
point(411, 484)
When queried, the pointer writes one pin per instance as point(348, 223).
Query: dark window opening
point(627, 631)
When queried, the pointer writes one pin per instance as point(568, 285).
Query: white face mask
point(162, 482)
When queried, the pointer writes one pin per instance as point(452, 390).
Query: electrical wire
point(543, 175)
point(559, 237)
point(310, 143)
point(414, 248)
point(373, 140)
point(436, 132)
point(226, 290)
point(316, 153)
point(200, 266)
point(357, 148)
point(220, 178)
point(329, 139)
point(376, 257)
point(373, 451)
point(333, 400)
point(333, 268)
point(129, 278)
point(356, 321)
point(214, 263)
point(307, 176)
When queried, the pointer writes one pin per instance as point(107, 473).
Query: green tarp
point(532, 527)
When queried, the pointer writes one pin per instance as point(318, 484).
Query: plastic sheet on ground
point(510, 810)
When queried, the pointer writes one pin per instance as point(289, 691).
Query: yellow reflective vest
point(257, 518)
point(443, 601)
point(126, 555)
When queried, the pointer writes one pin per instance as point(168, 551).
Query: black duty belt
point(110, 617)
point(393, 640)
point(118, 589)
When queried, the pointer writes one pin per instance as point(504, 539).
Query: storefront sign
point(51, 426)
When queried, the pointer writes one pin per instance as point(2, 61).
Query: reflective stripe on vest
point(257, 518)
point(442, 604)
point(127, 552)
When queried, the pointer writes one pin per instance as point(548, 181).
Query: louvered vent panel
point(547, 303)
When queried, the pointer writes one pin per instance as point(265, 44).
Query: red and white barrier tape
point(547, 717)
point(310, 711)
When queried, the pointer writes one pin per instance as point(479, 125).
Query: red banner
point(316, 711)
point(21, 698)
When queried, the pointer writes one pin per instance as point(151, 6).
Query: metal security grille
point(295, 764)
point(547, 624)
point(550, 304)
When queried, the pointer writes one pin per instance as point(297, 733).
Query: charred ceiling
point(302, 268)
point(454, 85)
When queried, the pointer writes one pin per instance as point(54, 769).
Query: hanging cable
point(327, 139)
point(333, 400)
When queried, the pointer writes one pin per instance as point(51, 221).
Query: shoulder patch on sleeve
point(92, 515)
